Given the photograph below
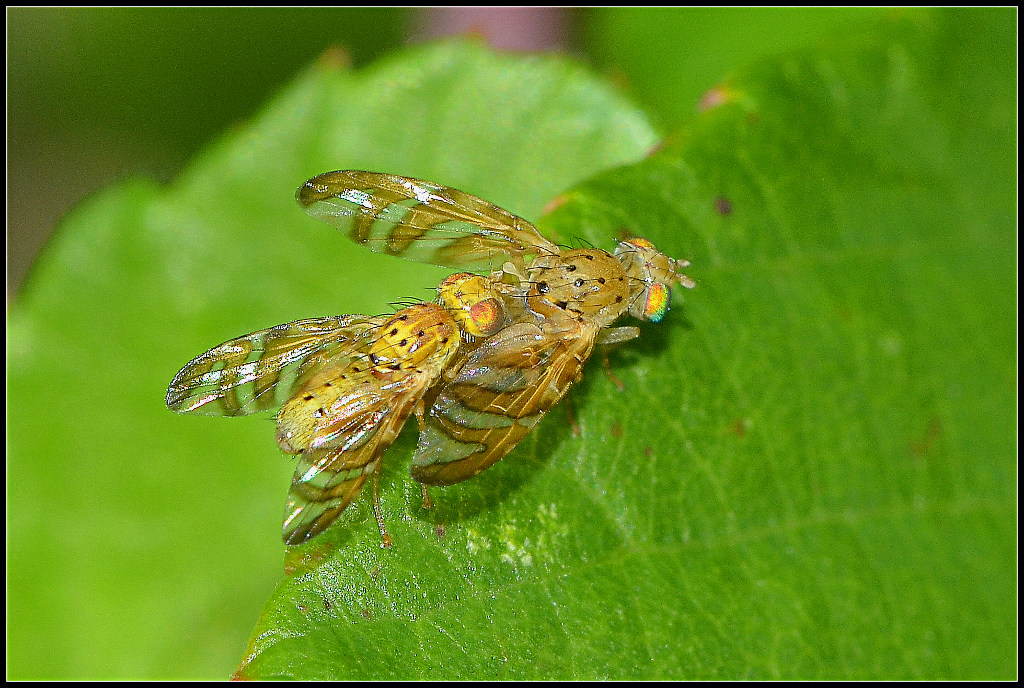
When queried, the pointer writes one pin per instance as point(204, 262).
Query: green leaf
point(844, 494)
point(791, 487)
point(697, 47)
point(811, 472)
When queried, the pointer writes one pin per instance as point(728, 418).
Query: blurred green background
point(98, 94)
point(95, 95)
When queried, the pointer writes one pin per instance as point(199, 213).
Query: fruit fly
point(345, 386)
point(559, 305)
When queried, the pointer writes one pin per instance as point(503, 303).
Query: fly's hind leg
point(607, 364)
point(570, 412)
point(385, 538)
point(608, 339)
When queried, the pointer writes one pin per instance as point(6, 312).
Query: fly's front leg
point(612, 337)
point(420, 410)
point(606, 339)
point(617, 335)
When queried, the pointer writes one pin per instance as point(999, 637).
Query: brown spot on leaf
point(655, 149)
point(924, 444)
point(555, 203)
point(334, 58)
point(623, 234)
point(715, 97)
point(298, 560)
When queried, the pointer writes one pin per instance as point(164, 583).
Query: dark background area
point(97, 94)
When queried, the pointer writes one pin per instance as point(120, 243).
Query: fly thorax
point(589, 285)
point(420, 336)
point(301, 418)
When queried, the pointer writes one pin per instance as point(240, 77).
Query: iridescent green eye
point(656, 306)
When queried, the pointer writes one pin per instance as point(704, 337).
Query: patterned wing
point(338, 449)
point(498, 395)
point(421, 220)
point(261, 370)
point(347, 413)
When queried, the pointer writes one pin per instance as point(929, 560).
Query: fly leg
point(385, 538)
point(419, 411)
point(609, 338)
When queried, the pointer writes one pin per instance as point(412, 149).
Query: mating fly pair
point(489, 358)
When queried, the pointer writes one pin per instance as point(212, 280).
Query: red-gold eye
point(486, 316)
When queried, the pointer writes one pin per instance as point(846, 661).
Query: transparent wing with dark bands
point(260, 370)
point(327, 480)
point(421, 220)
point(317, 497)
point(500, 393)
